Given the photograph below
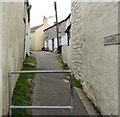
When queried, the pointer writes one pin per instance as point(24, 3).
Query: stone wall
point(11, 46)
point(93, 62)
point(50, 33)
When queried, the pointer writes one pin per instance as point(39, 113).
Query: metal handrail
point(39, 107)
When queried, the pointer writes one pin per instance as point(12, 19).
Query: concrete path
point(51, 90)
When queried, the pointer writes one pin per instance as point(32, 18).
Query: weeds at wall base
point(23, 90)
point(76, 83)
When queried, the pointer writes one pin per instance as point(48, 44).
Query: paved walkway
point(51, 90)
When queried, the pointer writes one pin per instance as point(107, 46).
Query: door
point(52, 44)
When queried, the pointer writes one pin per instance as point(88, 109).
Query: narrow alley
point(80, 38)
point(51, 90)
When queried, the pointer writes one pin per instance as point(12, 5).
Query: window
point(68, 37)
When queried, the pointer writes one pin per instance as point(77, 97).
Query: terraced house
point(37, 36)
point(50, 36)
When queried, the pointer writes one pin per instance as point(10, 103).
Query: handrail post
point(10, 93)
point(71, 90)
point(39, 107)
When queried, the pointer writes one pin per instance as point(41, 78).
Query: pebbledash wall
point(93, 62)
point(12, 46)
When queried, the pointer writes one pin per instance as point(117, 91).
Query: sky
point(41, 8)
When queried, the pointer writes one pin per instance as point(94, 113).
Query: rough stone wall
point(62, 27)
point(50, 33)
point(92, 62)
point(13, 30)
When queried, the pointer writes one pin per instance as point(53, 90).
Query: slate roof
point(59, 22)
point(33, 29)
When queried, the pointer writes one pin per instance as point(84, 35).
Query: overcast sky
point(41, 8)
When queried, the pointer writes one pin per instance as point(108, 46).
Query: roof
point(59, 22)
point(33, 29)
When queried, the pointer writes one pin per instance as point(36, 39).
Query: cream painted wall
point(0, 59)
point(13, 29)
point(37, 42)
point(39, 39)
point(32, 41)
point(92, 62)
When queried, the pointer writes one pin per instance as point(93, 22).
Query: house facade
point(37, 39)
point(50, 36)
point(12, 45)
point(94, 36)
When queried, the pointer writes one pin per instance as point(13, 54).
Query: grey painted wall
point(50, 33)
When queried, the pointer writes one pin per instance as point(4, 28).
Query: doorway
point(52, 44)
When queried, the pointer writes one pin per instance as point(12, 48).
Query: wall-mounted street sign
point(112, 40)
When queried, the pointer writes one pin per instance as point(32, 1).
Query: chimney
point(45, 20)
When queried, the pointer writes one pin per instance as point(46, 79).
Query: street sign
point(112, 40)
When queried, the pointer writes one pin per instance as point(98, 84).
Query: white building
point(50, 36)
point(95, 44)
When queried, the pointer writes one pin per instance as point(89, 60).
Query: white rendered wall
point(92, 62)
